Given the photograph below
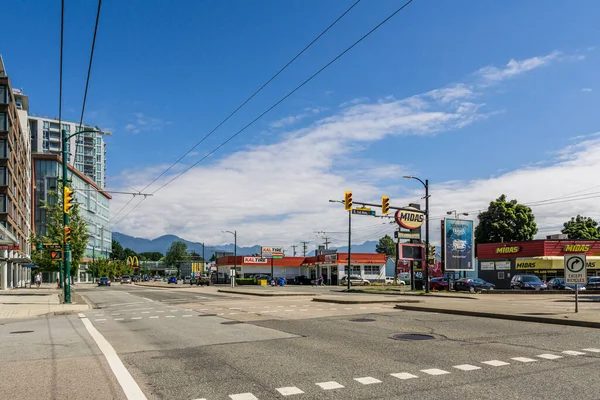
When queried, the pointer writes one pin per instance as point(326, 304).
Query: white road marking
point(145, 312)
point(169, 316)
point(290, 310)
point(243, 396)
point(319, 309)
point(367, 380)
point(303, 309)
point(147, 299)
point(549, 356)
point(404, 375)
point(173, 310)
point(186, 315)
point(333, 309)
point(363, 308)
point(154, 317)
point(435, 371)
point(128, 384)
point(495, 363)
point(100, 319)
point(221, 314)
point(288, 391)
point(466, 367)
point(523, 359)
point(279, 306)
point(235, 308)
point(573, 353)
point(592, 350)
point(136, 317)
point(116, 313)
point(329, 385)
point(119, 319)
point(294, 305)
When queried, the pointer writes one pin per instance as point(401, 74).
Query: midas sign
point(507, 250)
point(577, 248)
point(410, 219)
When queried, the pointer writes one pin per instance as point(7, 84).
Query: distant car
point(104, 281)
point(157, 279)
point(438, 283)
point(527, 282)
point(172, 279)
point(301, 280)
point(135, 278)
point(355, 280)
point(187, 280)
point(473, 285)
point(593, 282)
point(390, 280)
point(559, 284)
point(125, 279)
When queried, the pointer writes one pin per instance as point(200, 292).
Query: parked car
point(559, 284)
point(438, 283)
point(157, 279)
point(389, 280)
point(355, 280)
point(135, 278)
point(125, 279)
point(187, 280)
point(473, 285)
point(593, 282)
point(527, 282)
point(104, 281)
point(301, 280)
point(172, 279)
point(405, 277)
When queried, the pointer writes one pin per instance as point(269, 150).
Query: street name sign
point(53, 246)
point(363, 211)
point(575, 269)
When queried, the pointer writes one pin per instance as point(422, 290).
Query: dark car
point(438, 283)
point(301, 280)
point(473, 285)
point(172, 279)
point(559, 284)
point(527, 282)
point(104, 281)
point(593, 282)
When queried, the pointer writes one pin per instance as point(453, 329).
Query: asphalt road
point(175, 351)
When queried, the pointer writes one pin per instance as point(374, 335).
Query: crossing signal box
point(348, 200)
point(385, 205)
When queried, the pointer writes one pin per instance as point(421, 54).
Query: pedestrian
point(38, 279)
point(321, 281)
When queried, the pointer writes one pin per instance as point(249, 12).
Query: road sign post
point(575, 273)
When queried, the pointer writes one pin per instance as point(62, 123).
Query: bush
point(245, 281)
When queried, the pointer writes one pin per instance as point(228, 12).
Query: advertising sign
point(407, 235)
point(329, 258)
point(458, 242)
point(410, 218)
point(487, 266)
point(272, 252)
point(503, 265)
point(255, 260)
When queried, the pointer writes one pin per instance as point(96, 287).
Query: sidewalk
point(549, 309)
point(24, 303)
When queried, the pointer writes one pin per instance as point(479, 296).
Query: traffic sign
point(53, 246)
point(56, 255)
point(363, 211)
point(575, 269)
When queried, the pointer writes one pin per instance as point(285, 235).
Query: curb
point(89, 302)
point(267, 294)
point(342, 301)
point(163, 287)
point(409, 294)
point(513, 317)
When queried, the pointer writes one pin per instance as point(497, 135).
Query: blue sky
point(165, 74)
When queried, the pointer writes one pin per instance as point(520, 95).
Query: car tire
point(472, 289)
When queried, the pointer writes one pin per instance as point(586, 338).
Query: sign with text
point(363, 211)
point(255, 260)
point(9, 247)
point(575, 269)
point(458, 245)
point(407, 235)
point(503, 265)
point(272, 252)
point(329, 258)
point(53, 246)
point(577, 248)
point(487, 266)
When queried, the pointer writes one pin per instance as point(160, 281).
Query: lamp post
point(65, 183)
point(456, 214)
point(234, 233)
point(426, 185)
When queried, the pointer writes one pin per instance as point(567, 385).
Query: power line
point(294, 249)
point(87, 81)
point(130, 211)
point(304, 248)
point(60, 73)
point(287, 95)
point(254, 94)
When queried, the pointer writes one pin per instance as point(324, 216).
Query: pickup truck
point(200, 280)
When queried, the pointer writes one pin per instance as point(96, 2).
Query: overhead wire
point(89, 72)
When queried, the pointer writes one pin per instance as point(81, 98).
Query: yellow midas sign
point(577, 248)
point(507, 250)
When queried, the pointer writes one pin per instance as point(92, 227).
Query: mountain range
point(162, 243)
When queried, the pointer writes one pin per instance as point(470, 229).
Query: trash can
point(282, 282)
point(262, 282)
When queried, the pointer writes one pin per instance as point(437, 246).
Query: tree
point(195, 256)
point(386, 246)
point(117, 251)
point(128, 253)
point(150, 256)
point(581, 227)
point(505, 221)
point(213, 257)
point(103, 267)
point(55, 229)
point(177, 252)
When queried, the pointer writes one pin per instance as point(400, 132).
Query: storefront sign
point(503, 265)
point(272, 252)
point(535, 264)
point(410, 218)
point(487, 266)
point(9, 247)
point(329, 258)
point(577, 248)
point(458, 245)
point(254, 260)
point(508, 250)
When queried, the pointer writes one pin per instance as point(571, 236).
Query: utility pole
point(294, 249)
point(304, 248)
point(203, 260)
point(327, 241)
point(349, 244)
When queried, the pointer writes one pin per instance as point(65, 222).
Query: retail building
point(499, 262)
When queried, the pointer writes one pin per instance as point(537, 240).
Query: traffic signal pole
point(67, 245)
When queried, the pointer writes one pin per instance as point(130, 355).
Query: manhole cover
point(412, 336)
point(16, 332)
point(362, 320)
point(207, 315)
point(231, 322)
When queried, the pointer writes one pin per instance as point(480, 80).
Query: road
point(199, 344)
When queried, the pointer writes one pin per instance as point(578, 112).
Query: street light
point(65, 183)
point(456, 214)
point(234, 233)
point(426, 185)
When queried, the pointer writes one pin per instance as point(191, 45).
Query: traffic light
point(347, 200)
point(385, 205)
point(67, 200)
point(431, 254)
point(67, 234)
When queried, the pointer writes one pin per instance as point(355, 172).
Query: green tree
point(127, 253)
point(581, 227)
point(177, 252)
point(213, 257)
point(151, 256)
point(117, 251)
point(55, 229)
point(505, 221)
point(386, 246)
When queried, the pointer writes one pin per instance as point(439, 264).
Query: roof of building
point(342, 258)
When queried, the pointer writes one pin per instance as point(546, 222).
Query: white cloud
point(144, 123)
point(586, 89)
point(491, 74)
point(293, 119)
point(277, 194)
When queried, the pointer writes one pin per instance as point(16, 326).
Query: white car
point(389, 280)
point(355, 280)
point(187, 280)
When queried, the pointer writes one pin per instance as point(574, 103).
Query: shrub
point(245, 281)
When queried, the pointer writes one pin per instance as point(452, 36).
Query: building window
point(3, 149)
point(3, 122)
point(3, 203)
point(3, 95)
point(3, 176)
point(46, 125)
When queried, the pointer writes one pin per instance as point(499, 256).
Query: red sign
point(9, 247)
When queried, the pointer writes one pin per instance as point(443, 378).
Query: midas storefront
point(499, 262)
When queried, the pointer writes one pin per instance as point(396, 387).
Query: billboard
point(458, 241)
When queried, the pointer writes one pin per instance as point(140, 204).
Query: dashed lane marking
point(523, 359)
point(169, 316)
point(154, 317)
point(435, 371)
point(466, 367)
point(549, 356)
point(330, 385)
point(243, 396)
point(367, 380)
point(573, 353)
point(119, 319)
point(404, 375)
point(495, 363)
point(592, 350)
point(100, 319)
point(289, 391)
point(186, 315)
point(136, 317)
